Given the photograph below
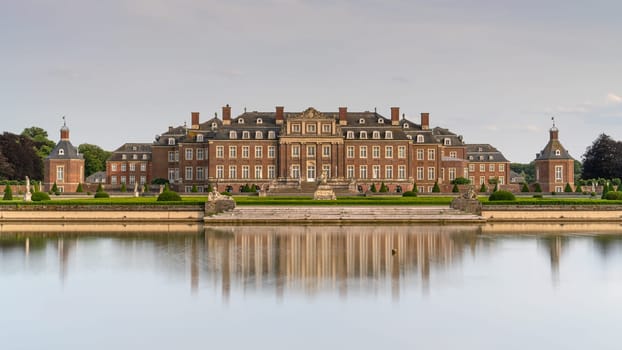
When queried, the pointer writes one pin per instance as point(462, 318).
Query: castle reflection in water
point(279, 260)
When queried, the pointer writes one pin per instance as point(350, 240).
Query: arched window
point(240, 121)
point(558, 152)
point(61, 152)
point(258, 135)
point(375, 135)
point(214, 125)
point(233, 134)
point(420, 139)
point(259, 121)
point(388, 134)
point(380, 121)
point(363, 135)
point(350, 135)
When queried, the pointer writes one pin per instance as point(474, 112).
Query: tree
point(20, 158)
point(568, 188)
point(537, 188)
point(436, 188)
point(527, 170)
point(6, 168)
point(461, 181)
point(8, 193)
point(525, 187)
point(603, 159)
point(495, 188)
point(383, 187)
point(94, 158)
point(79, 189)
point(194, 188)
point(373, 188)
point(55, 189)
point(455, 189)
point(210, 188)
point(483, 188)
point(123, 187)
point(100, 188)
point(40, 137)
point(415, 189)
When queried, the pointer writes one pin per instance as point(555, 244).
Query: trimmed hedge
point(101, 194)
point(40, 196)
point(613, 196)
point(409, 194)
point(169, 196)
point(502, 196)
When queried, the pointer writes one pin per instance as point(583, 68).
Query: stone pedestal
point(471, 206)
point(324, 192)
point(27, 197)
point(217, 203)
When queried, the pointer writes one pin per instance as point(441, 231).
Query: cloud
point(613, 98)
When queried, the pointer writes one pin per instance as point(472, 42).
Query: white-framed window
point(350, 171)
point(233, 135)
point(310, 171)
point(295, 151)
point(326, 151)
point(245, 151)
point(258, 135)
point(471, 167)
point(189, 153)
point(326, 128)
point(501, 180)
point(501, 167)
point(401, 172)
point(233, 151)
point(350, 152)
point(452, 174)
point(123, 167)
point(132, 166)
point(123, 179)
point(431, 154)
point(259, 121)
point(200, 153)
point(132, 179)
point(271, 134)
point(246, 135)
point(143, 167)
point(296, 128)
point(375, 171)
point(447, 141)
point(558, 189)
point(271, 171)
point(113, 180)
point(171, 174)
point(431, 173)
point(558, 152)
point(258, 151)
point(388, 172)
point(220, 151)
point(482, 167)
point(296, 171)
point(220, 171)
point(405, 126)
point(113, 167)
point(375, 135)
point(375, 152)
point(388, 135)
point(363, 152)
point(171, 141)
point(361, 121)
point(134, 156)
point(188, 173)
point(271, 151)
point(453, 154)
point(482, 179)
point(363, 135)
point(472, 179)
point(420, 173)
point(200, 138)
point(388, 151)
point(310, 150)
point(233, 172)
point(363, 171)
point(401, 152)
point(559, 173)
point(311, 128)
point(350, 135)
point(240, 121)
point(200, 173)
point(420, 138)
point(490, 157)
point(258, 172)
point(491, 167)
point(61, 152)
point(245, 171)
point(171, 156)
point(420, 154)
point(380, 121)
point(60, 173)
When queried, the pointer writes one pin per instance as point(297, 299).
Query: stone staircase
point(342, 215)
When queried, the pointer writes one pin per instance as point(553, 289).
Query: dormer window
point(470, 157)
point(133, 148)
point(375, 135)
point(171, 141)
point(271, 135)
point(200, 138)
point(134, 156)
point(380, 121)
point(388, 134)
point(259, 121)
point(420, 139)
point(480, 149)
point(350, 135)
point(361, 121)
point(447, 142)
point(144, 156)
point(481, 157)
point(363, 135)
point(246, 135)
point(490, 157)
point(405, 126)
point(558, 152)
point(214, 125)
point(61, 152)
point(240, 121)
point(233, 135)
point(258, 135)
point(124, 156)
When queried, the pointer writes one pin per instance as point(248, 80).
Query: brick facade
point(554, 165)
point(64, 166)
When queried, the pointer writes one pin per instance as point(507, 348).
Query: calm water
point(313, 287)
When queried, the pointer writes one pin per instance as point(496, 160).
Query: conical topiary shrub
point(483, 188)
point(373, 188)
point(79, 189)
point(436, 188)
point(537, 188)
point(8, 193)
point(525, 187)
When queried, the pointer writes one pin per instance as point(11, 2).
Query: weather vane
point(553, 119)
point(64, 121)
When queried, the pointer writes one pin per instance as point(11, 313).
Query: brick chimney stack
point(226, 115)
point(279, 115)
point(425, 121)
point(395, 115)
point(195, 120)
point(343, 114)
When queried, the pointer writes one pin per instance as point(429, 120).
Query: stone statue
point(27, 194)
point(161, 188)
point(470, 193)
point(135, 189)
point(323, 178)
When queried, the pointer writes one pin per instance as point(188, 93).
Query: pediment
point(309, 113)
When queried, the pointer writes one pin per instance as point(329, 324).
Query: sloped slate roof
point(65, 150)
point(549, 151)
point(485, 150)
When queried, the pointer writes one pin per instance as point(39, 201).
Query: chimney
point(395, 115)
point(279, 115)
point(343, 113)
point(226, 115)
point(554, 133)
point(425, 121)
point(195, 120)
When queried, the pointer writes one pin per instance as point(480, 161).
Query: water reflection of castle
point(313, 259)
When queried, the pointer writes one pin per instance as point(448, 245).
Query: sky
point(494, 71)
